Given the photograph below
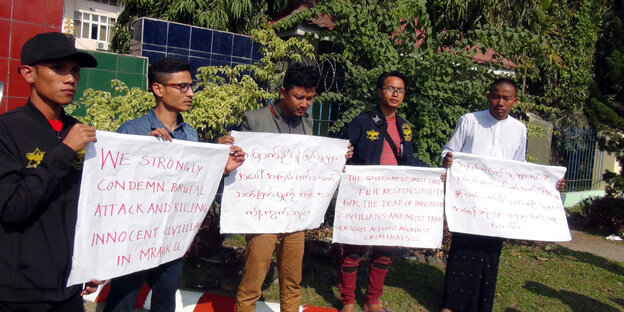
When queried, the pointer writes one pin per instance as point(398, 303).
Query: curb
point(193, 301)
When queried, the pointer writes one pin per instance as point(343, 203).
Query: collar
point(156, 123)
point(277, 113)
point(382, 117)
point(36, 114)
point(380, 122)
point(493, 120)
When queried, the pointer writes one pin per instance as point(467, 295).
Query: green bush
point(605, 214)
point(224, 95)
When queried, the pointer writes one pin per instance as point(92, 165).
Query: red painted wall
point(20, 20)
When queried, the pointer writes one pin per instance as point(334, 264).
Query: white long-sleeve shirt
point(481, 134)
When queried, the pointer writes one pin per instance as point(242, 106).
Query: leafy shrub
point(576, 218)
point(426, 41)
point(606, 214)
point(106, 111)
point(225, 93)
point(228, 92)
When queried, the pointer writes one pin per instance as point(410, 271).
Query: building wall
point(198, 46)
point(132, 70)
point(19, 23)
point(539, 145)
point(85, 8)
point(604, 161)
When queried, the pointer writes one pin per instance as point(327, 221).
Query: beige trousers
point(258, 254)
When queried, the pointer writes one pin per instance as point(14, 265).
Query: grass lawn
point(544, 278)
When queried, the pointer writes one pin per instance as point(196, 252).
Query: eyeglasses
point(392, 90)
point(184, 87)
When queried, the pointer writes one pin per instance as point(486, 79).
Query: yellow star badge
point(372, 135)
point(34, 158)
point(407, 132)
point(79, 161)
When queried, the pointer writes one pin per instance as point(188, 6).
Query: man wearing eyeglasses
point(379, 137)
point(170, 81)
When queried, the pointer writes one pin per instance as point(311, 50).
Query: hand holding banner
point(390, 206)
point(141, 202)
point(284, 186)
point(505, 198)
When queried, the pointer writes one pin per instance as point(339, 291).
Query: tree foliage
point(552, 44)
point(605, 109)
point(374, 37)
point(224, 93)
point(240, 16)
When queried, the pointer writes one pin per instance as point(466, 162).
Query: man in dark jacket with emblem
point(379, 137)
point(41, 150)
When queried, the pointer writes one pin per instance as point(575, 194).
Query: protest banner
point(141, 203)
point(505, 198)
point(285, 184)
point(390, 206)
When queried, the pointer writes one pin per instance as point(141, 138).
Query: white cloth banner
point(141, 203)
point(285, 184)
point(505, 198)
point(390, 206)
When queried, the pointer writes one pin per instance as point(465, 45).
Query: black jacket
point(366, 137)
point(39, 186)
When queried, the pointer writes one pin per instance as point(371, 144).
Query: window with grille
point(109, 2)
point(93, 26)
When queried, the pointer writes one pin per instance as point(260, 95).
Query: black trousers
point(73, 304)
point(471, 273)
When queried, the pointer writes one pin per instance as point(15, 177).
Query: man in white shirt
point(490, 132)
point(472, 267)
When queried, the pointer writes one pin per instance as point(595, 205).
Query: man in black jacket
point(41, 150)
point(379, 137)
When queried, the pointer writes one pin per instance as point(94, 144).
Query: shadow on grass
point(576, 301)
point(589, 258)
point(619, 301)
point(422, 282)
point(321, 274)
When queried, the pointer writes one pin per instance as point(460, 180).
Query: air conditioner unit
point(102, 46)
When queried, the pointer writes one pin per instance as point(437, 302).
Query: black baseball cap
point(51, 46)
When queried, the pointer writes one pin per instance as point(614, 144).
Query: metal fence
point(579, 151)
point(324, 115)
point(332, 80)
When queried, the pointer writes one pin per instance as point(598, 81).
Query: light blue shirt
point(144, 124)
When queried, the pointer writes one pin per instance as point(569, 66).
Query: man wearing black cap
point(41, 151)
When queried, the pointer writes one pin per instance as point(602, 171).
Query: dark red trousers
point(381, 257)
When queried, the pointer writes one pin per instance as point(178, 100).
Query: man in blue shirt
point(170, 81)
